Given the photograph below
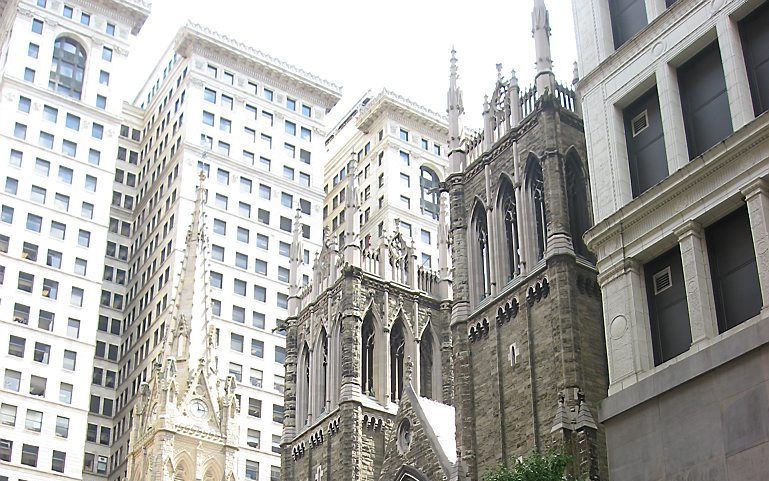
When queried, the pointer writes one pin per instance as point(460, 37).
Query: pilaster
point(699, 289)
point(735, 72)
point(672, 117)
point(757, 197)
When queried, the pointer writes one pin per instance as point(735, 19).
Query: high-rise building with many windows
point(97, 199)
point(675, 98)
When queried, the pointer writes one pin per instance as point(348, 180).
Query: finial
point(454, 70)
point(575, 78)
point(499, 71)
point(513, 79)
point(202, 173)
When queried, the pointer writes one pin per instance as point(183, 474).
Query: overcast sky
point(403, 45)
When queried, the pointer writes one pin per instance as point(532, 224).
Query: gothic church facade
point(397, 373)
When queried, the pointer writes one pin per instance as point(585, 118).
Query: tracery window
point(397, 354)
point(481, 248)
point(304, 387)
point(426, 360)
point(367, 357)
point(536, 188)
point(323, 381)
point(428, 182)
point(509, 212)
point(579, 215)
point(67, 68)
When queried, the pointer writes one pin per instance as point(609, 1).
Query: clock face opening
point(198, 409)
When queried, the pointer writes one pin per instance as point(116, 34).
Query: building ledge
point(699, 360)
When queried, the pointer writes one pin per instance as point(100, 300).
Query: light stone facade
point(701, 413)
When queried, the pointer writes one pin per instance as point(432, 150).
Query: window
point(106, 54)
point(280, 355)
point(110, 29)
point(20, 131)
point(252, 438)
point(68, 11)
point(304, 179)
point(707, 119)
point(257, 320)
point(11, 185)
point(290, 150)
point(268, 94)
point(6, 450)
point(263, 216)
point(283, 274)
point(255, 405)
point(16, 346)
point(12, 380)
point(236, 342)
point(262, 241)
point(275, 443)
point(284, 249)
point(90, 183)
point(104, 77)
point(239, 287)
point(225, 125)
point(755, 46)
point(208, 118)
point(73, 328)
point(220, 227)
point(627, 18)
point(257, 348)
point(243, 235)
point(26, 282)
point(733, 268)
point(15, 158)
point(70, 360)
point(76, 297)
point(37, 26)
point(24, 104)
point(216, 280)
point(50, 289)
point(404, 135)
point(7, 217)
point(69, 148)
point(265, 192)
point(8, 414)
point(209, 95)
point(65, 393)
point(260, 293)
point(68, 67)
point(668, 308)
point(58, 460)
point(34, 421)
point(29, 455)
point(277, 413)
point(252, 469)
point(260, 267)
point(85, 18)
point(42, 167)
point(37, 386)
point(227, 102)
point(58, 230)
point(62, 427)
point(290, 128)
point(29, 75)
point(29, 251)
point(288, 173)
point(42, 353)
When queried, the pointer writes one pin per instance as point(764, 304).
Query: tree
point(535, 467)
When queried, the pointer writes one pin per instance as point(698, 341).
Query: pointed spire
point(455, 110)
point(188, 327)
point(444, 273)
point(488, 124)
point(516, 114)
point(295, 261)
point(351, 248)
point(540, 21)
point(575, 74)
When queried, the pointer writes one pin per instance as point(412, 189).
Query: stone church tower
point(184, 422)
point(395, 373)
point(528, 352)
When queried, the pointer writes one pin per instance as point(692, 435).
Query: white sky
point(399, 44)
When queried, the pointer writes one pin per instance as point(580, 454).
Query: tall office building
point(98, 197)
point(675, 100)
point(398, 148)
point(62, 64)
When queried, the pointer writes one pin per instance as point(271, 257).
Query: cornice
point(387, 100)
point(195, 36)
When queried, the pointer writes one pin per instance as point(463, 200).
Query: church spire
point(540, 29)
point(351, 248)
point(297, 252)
point(455, 110)
point(187, 337)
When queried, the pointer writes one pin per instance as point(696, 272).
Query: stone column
point(735, 72)
point(626, 319)
point(757, 197)
point(699, 289)
point(672, 116)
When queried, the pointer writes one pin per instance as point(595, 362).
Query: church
point(398, 372)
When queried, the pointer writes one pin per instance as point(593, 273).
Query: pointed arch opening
point(67, 68)
point(303, 387)
point(578, 201)
point(535, 186)
point(507, 209)
point(322, 364)
point(368, 339)
point(397, 358)
point(480, 252)
point(429, 364)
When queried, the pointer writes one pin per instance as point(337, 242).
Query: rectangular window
point(755, 46)
point(668, 308)
point(277, 413)
point(290, 128)
point(404, 135)
point(257, 320)
point(645, 143)
point(257, 348)
point(733, 269)
point(34, 421)
point(58, 460)
point(252, 438)
point(29, 455)
point(37, 26)
point(707, 119)
point(106, 54)
point(85, 18)
point(255, 405)
point(68, 11)
point(8, 414)
point(260, 293)
point(627, 18)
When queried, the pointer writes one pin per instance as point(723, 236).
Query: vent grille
point(662, 281)
point(640, 123)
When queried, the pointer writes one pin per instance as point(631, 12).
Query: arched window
point(426, 364)
point(481, 251)
point(367, 357)
point(508, 210)
point(303, 389)
point(579, 215)
point(323, 372)
point(536, 187)
point(67, 68)
point(428, 183)
point(397, 353)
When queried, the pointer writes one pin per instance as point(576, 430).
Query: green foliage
point(536, 467)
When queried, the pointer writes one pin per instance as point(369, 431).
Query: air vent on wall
point(662, 281)
point(639, 123)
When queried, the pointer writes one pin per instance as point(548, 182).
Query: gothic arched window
point(323, 372)
point(428, 183)
point(367, 357)
point(536, 187)
point(303, 396)
point(481, 251)
point(579, 214)
point(397, 354)
point(508, 210)
point(426, 362)
point(67, 68)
